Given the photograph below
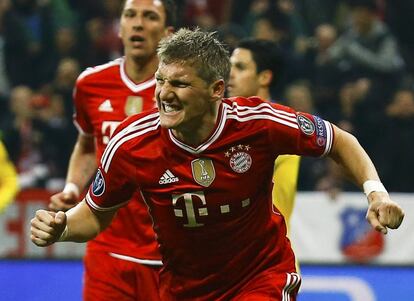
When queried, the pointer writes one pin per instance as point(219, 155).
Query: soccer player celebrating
point(204, 165)
point(123, 262)
point(255, 67)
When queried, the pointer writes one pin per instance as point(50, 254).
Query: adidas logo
point(168, 177)
point(106, 106)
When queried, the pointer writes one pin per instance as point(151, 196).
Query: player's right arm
point(79, 224)
point(113, 186)
point(82, 166)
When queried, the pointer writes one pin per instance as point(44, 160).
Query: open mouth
point(170, 108)
point(136, 38)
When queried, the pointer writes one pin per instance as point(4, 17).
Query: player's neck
point(140, 70)
point(264, 93)
point(197, 131)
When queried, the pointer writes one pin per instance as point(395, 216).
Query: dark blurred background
point(349, 61)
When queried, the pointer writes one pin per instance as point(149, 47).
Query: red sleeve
point(80, 117)
point(300, 133)
point(114, 181)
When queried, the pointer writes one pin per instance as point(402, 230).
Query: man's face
point(142, 27)
point(244, 80)
point(183, 98)
point(363, 19)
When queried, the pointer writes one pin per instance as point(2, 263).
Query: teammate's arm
point(347, 152)
point(79, 224)
point(82, 166)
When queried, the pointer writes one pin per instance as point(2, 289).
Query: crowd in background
point(348, 61)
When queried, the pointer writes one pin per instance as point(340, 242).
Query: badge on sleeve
point(306, 125)
point(98, 186)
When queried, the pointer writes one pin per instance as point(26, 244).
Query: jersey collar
point(210, 140)
point(130, 84)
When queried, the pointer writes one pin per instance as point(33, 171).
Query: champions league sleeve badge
point(306, 125)
point(98, 186)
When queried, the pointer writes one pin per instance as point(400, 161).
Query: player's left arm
point(382, 212)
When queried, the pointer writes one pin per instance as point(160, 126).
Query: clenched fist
point(47, 227)
point(383, 213)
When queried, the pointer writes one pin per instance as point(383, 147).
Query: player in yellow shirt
point(8, 179)
point(255, 67)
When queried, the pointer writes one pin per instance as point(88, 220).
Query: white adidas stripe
point(243, 110)
point(133, 126)
point(264, 104)
point(267, 117)
point(155, 123)
point(261, 111)
point(292, 282)
point(92, 70)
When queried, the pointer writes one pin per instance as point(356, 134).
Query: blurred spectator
point(66, 45)
point(297, 25)
point(36, 16)
point(367, 49)
point(399, 16)
point(299, 96)
point(231, 34)
point(67, 72)
point(8, 179)
point(207, 14)
point(101, 41)
point(33, 137)
point(395, 152)
point(14, 49)
point(323, 76)
point(370, 66)
point(317, 12)
point(23, 140)
point(273, 25)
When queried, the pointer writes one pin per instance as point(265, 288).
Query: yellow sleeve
point(8, 179)
point(285, 178)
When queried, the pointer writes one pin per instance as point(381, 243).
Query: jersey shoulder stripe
point(137, 128)
point(263, 111)
point(92, 70)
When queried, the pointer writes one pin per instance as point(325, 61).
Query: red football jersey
point(211, 204)
point(104, 96)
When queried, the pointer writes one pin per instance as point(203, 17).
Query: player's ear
point(217, 89)
point(265, 77)
point(169, 30)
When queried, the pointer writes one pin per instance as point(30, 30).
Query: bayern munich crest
point(240, 160)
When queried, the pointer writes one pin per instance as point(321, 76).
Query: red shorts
point(107, 278)
point(270, 286)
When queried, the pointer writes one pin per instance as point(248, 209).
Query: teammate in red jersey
point(204, 166)
point(123, 262)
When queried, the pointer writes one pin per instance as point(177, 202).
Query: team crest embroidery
point(203, 171)
point(240, 160)
point(98, 186)
point(306, 125)
point(133, 105)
